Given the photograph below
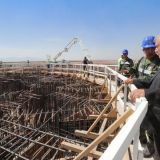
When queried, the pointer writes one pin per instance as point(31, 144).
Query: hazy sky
point(32, 29)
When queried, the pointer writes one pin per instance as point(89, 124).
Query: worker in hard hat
point(142, 73)
point(152, 94)
point(147, 66)
point(124, 65)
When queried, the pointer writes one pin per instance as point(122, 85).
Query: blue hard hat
point(125, 52)
point(148, 42)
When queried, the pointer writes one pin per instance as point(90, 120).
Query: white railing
point(130, 131)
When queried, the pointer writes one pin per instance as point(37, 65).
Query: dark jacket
point(153, 88)
point(85, 61)
point(152, 94)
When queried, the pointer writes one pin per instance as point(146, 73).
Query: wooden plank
point(111, 114)
point(127, 155)
point(82, 133)
point(105, 109)
point(105, 134)
point(102, 93)
point(77, 148)
point(101, 101)
point(91, 135)
point(102, 128)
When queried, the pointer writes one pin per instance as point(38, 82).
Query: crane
point(67, 48)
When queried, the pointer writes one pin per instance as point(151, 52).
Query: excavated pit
point(38, 111)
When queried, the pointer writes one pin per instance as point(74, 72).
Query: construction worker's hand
point(137, 93)
point(128, 81)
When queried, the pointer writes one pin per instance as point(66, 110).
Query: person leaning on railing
point(124, 65)
point(152, 94)
point(147, 66)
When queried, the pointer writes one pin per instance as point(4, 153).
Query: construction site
point(40, 111)
point(67, 111)
point(63, 110)
point(57, 113)
point(79, 80)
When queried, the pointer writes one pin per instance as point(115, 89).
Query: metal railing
point(130, 131)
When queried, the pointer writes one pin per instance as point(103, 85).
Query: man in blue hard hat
point(147, 66)
point(152, 93)
point(124, 65)
point(142, 73)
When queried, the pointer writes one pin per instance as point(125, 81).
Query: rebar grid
point(38, 111)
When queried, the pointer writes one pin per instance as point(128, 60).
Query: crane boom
point(67, 48)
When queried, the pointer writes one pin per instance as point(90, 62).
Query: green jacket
point(125, 64)
point(145, 69)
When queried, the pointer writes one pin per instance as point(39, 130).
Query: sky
point(32, 29)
